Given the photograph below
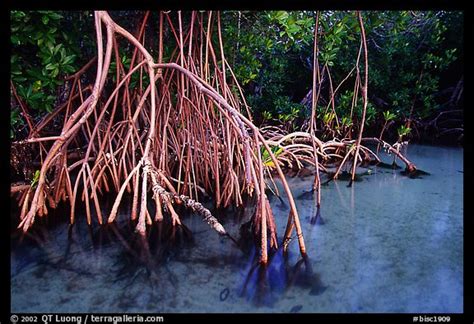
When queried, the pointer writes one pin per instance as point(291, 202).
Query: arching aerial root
point(186, 124)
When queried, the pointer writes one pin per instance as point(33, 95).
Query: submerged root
point(165, 196)
point(263, 283)
point(187, 126)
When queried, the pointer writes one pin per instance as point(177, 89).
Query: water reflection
point(263, 285)
point(388, 243)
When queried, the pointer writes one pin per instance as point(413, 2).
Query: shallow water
point(389, 243)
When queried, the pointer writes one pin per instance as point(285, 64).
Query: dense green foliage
point(409, 52)
point(412, 56)
point(46, 47)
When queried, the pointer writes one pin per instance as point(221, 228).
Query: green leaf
point(50, 46)
point(36, 96)
point(57, 48)
point(50, 38)
point(50, 66)
point(35, 179)
point(36, 85)
point(54, 16)
point(63, 53)
point(15, 40)
point(281, 15)
point(29, 91)
point(45, 19)
point(19, 79)
point(293, 29)
point(68, 69)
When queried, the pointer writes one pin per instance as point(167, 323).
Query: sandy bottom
point(388, 244)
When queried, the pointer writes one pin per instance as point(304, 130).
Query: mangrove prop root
point(410, 166)
point(197, 207)
point(185, 126)
point(364, 94)
point(182, 124)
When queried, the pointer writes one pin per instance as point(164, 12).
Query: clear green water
point(388, 244)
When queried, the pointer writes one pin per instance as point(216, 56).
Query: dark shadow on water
point(45, 252)
point(143, 260)
point(344, 176)
point(282, 205)
point(145, 257)
point(391, 166)
point(265, 284)
point(247, 240)
point(306, 195)
point(317, 219)
point(417, 174)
